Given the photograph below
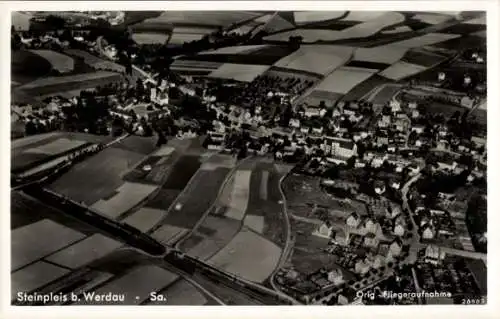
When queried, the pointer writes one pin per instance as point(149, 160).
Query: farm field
point(239, 72)
point(150, 38)
point(144, 219)
point(94, 61)
point(385, 94)
point(317, 96)
point(97, 177)
point(320, 59)
point(85, 251)
point(138, 283)
point(51, 85)
point(27, 151)
point(137, 144)
point(27, 66)
point(182, 171)
point(126, 197)
point(362, 89)
point(197, 198)
point(58, 61)
point(249, 256)
point(423, 58)
point(168, 234)
point(424, 40)
point(306, 17)
point(27, 246)
point(344, 79)
point(385, 54)
point(401, 70)
point(35, 276)
point(182, 293)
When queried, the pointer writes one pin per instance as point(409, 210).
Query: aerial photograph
point(193, 158)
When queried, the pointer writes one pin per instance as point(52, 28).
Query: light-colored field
point(181, 38)
point(344, 79)
point(136, 285)
point(55, 147)
point(39, 239)
point(85, 251)
point(221, 18)
point(277, 23)
point(432, 18)
point(69, 78)
point(98, 279)
point(363, 16)
point(164, 151)
point(305, 17)
point(168, 234)
point(480, 20)
point(59, 62)
point(263, 185)
point(144, 218)
point(424, 40)
point(240, 194)
point(239, 72)
point(96, 177)
point(398, 29)
point(25, 141)
point(95, 61)
point(129, 195)
point(367, 28)
point(249, 256)
point(383, 54)
point(182, 293)
point(254, 222)
point(242, 49)
point(34, 276)
point(150, 38)
point(219, 160)
point(320, 59)
point(401, 70)
point(21, 20)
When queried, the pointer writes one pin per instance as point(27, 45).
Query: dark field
point(182, 171)
point(197, 198)
point(464, 28)
point(27, 66)
point(365, 87)
point(426, 59)
point(163, 199)
point(138, 144)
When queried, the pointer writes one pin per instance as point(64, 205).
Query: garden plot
point(128, 195)
point(59, 62)
point(34, 276)
point(424, 40)
point(145, 218)
point(32, 242)
point(182, 293)
point(150, 38)
point(136, 285)
point(55, 147)
point(239, 72)
point(344, 79)
point(320, 59)
point(401, 70)
point(249, 256)
point(97, 177)
point(240, 195)
point(306, 17)
point(84, 252)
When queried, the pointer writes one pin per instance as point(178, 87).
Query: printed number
point(477, 301)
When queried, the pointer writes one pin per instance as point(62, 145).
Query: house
point(393, 211)
point(317, 130)
point(361, 266)
point(295, 123)
point(382, 140)
point(304, 130)
point(419, 129)
point(479, 141)
point(312, 111)
point(399, 230)
point(434, 255)
point(368, 225)
point(325, 231)
point(379, 187)
point(353, 220)
point(395, 105)
point(342, 237)
point(342, 147)
point(428, 231)
point(415, 114)
point(395, 247)
point(384, 253)
point(447, 164)
point(401, 124)
point(412, 105)
point(371, 240)
point(335, 276)
point(442, 145)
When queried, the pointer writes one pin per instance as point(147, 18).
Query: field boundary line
point(219, 194)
